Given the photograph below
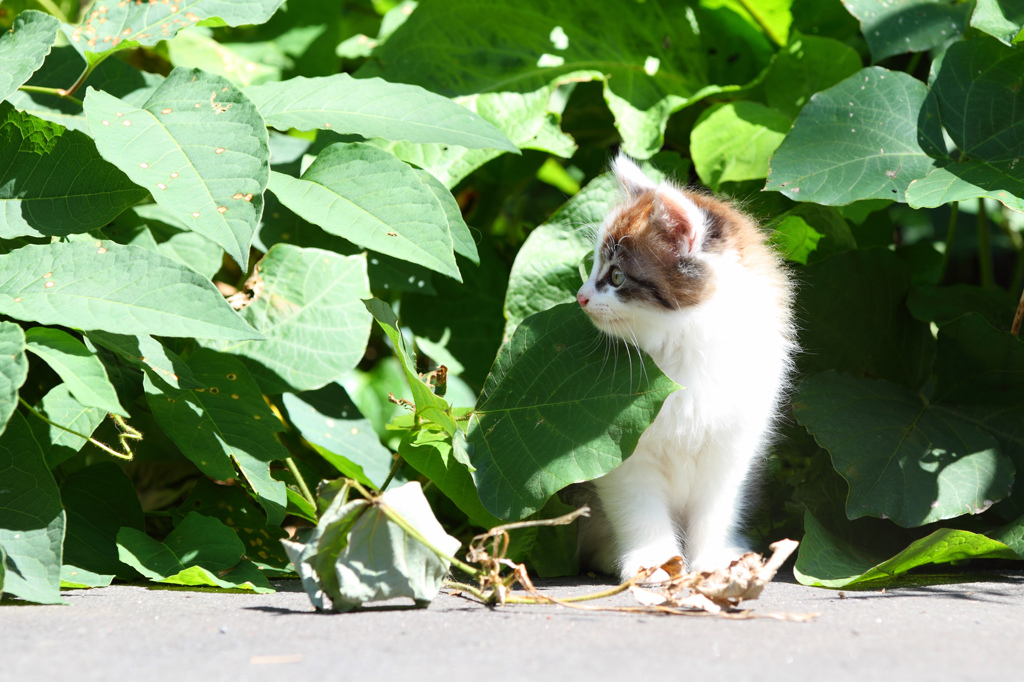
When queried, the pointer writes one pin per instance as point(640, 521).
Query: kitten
point(690, 280)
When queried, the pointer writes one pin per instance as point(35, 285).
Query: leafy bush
point(237, 261)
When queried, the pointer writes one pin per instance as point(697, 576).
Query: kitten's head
point(657, 253)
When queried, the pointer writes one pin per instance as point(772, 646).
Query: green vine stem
point(954, 209)
point(391, 474)
point(492, 597)
point(53, 9)
point(127, 433)
point(87, 72)
point(984, 248)
point(56, 92)
point(303, 488)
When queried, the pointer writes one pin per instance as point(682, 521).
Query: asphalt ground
point(972, 629)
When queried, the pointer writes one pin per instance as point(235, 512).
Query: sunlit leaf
point(24, 47)
point(80, 369)
point(13, 368)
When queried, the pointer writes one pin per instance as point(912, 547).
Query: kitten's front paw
point(720, 558)
point(634, 562)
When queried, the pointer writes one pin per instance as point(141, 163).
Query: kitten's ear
point(631, 179)
point(677, 214)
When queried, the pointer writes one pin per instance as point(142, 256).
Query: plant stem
point(914, 61)
point(610, 592)
point(56, 92)
point(954, 209)
point(106, 448)
point(391, 474)
point(984, 248)
point(50, 7)
point(303, 488)
point(88, 70)
point(1018, 316)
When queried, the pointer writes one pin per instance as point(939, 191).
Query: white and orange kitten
point(691, 281)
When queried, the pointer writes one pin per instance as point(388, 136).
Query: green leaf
point(200, 551)
point(904, 459)
point(116, 26)
point(547, 269)
point(358, 554)
point(538, 427)
point(75, 578)
point(733, 142)
point(1011, 535)
point(773, 16)
point(311, 312)
point(24, 47)
point(796, 238)
point(153, 228)
point(863, 327)
point(989, 139)
point(31, 518)
point(1001, 19)
point(462, 238)
point(99, 500)
point(809, 64)
point(430, 451)
point(115, 288)
point(226, 423)
point(866, 138)
point(827, 561)
point(144, 351)
point(901, 26)
point(342, 193)
point(463, 48)
point(329, 420)
point(80, 369)
point(199, 146)
point(59, 407)
point(428, 405)
point(52, 181)
point(372, 107)
point(198, 49)
point(942, 305)
point(13, 369)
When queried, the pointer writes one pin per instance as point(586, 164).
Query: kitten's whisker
point(639, 353)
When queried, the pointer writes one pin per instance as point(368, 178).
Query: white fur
point(682, 490)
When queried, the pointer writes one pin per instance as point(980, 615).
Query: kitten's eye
point(618, 277)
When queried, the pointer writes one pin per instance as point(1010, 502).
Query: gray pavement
point(969, 630)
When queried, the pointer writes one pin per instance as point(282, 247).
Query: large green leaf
point(989, 138)
point(198, 49)
point(153, 228)
point(329, 420)
point(899, 26)
point(863, 327)
point(145, 351)
point(114, 26)
point(358, 554)
point(796, 238)
point(343, 191)
point(24, 47)
point(61, 408)
point(115, 288)
point(428, 405)
point(99, 500)
point(828, 561)
point(904, 459)
point(733, 142)
point(807, 65)
point(31, 518)
point(1002, 19)
point(310, 310)
point(649, 56)
point(13, 369)
point(199, 146)
point(372, 107)
point(80, 369)
point(866, 138)
point(554, 412)
point(945, 304)
point(52, 181)
point(430, 451)
point(227, 422)
point(200, 551)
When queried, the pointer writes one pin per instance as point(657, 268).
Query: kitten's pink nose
point(582, 299)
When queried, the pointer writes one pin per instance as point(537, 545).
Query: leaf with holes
point(31, 518)
point(53, 182)
point(199, 146)
point(110, 25)
point(904, 459)
point(24, 47)
point(539, 427)
point(866, 138)
point(80, 369)
point(369, 197)
point(900, 26)
point(224, 425)
point(13, 369)
point(119, 289)
point(146, 352)
point(989, 139)
point(372, 107)
point(310, 310)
